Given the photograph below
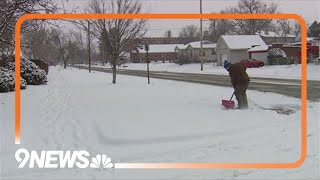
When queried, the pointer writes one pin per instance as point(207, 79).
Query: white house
point(191, 52)
point(259, 53)
point(234, 48)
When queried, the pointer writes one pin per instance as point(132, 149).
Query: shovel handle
point(232, 96)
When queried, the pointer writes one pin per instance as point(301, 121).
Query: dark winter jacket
point(238, 75)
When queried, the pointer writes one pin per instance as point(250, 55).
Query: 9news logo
point(61, 159)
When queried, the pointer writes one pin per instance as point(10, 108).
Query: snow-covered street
point(275, 71)
point(166, 121)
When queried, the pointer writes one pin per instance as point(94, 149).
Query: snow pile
point(30, 72)
point(7, 81)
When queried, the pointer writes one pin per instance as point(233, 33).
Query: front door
point(223, 57)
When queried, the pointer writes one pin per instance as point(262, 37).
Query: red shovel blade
point(228, 104)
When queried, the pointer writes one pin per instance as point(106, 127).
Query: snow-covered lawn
point(275, 71)
point(166, 121)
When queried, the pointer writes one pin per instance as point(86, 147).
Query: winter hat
point(227, 65)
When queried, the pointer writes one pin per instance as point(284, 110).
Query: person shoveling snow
point(240, 82)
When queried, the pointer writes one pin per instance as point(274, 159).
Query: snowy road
point(166, 121)
point(288, 87)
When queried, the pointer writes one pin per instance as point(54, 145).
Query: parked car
point(251, 63)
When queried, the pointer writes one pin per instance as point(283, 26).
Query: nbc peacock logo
point(101, 161)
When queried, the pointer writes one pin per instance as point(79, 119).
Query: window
point(203, 53)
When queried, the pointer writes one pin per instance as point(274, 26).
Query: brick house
point(165, 40)
point(157, 52)
point(294, 50)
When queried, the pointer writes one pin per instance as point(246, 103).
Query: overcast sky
point(308, 9)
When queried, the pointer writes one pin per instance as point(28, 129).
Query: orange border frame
point(178, 16)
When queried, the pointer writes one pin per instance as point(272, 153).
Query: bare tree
point(11, 10)
point(79, 40)
point(252, 26)
point(218, 27)
point(282, 27)
point(117, 35)
point(61, 42)
point(190, 32)
point(296, 29)
point(38, 44)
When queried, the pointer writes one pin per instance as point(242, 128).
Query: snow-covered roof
point(182, 46)
point(243, 41)
point(258, 48)
point(273, 34)
point(160, 48)
point(197, 44)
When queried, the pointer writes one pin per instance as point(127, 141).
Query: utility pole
point(147, 49)
point(201, 37)
point(81, 47)
point(89, 50)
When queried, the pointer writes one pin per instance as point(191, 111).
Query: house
point(157, 52)
point(234, 48)
point(293, 53)
point(190, 53)
point(259, 53)
point(270, 37)
point(165, 40)
point(312, 41)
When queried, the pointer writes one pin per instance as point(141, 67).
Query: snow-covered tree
point(30, 72)
point(7, 81)
point(276, 52)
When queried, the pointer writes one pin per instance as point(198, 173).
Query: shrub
point(30, 72)
point(7, 81)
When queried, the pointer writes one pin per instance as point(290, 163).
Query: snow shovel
point(229, 104)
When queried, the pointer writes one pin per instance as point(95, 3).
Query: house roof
point(235, 42)
point(259, 48)
point(160, 48)
point(273, 34)
point(197, 44)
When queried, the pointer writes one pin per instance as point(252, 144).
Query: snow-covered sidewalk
point(166, 121)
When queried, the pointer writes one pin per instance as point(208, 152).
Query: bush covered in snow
point(277, 56)
point(30, 72)
point(276, 52)
point(7, 81)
